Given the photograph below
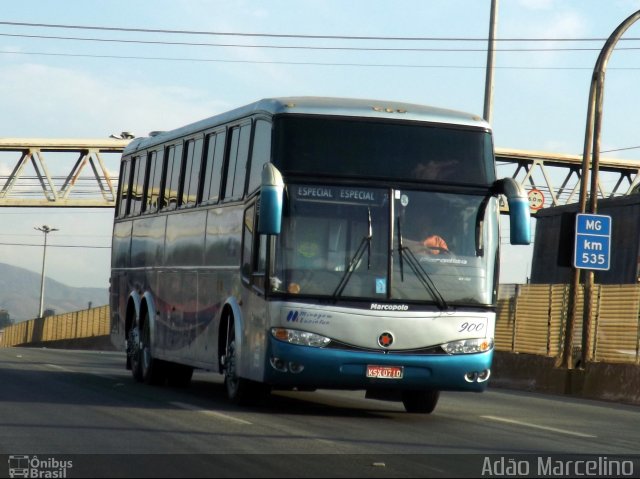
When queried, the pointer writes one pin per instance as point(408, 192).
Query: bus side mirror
point(272, 187)
point(519, 216)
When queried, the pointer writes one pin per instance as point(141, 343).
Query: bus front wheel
point(423, 402)
point(239, 390)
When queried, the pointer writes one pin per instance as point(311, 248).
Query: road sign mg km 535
point(592, 242)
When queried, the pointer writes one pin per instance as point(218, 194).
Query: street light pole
point(590, 160)
point(46, 230)
point(488, 83)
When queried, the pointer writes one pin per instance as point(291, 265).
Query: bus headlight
point(468, 346)
point(302, 338)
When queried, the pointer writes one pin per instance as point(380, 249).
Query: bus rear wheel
point(144, 367)
point(423, 402)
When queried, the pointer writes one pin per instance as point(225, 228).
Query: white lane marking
point(93, 373)
point(61, 368)
point(190, 407)
point(536, 426)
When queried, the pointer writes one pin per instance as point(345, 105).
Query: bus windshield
point(403, 151)
point(383, 244)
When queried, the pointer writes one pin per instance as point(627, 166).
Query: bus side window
point(168, 166)
point(248, 232)
point(153, 185)
point(237, 162)
point(193, 160)
point(172, 176)
point(137, 183)
point(125, 179)
point(213, 167)
point(261, 153)
point(254, 251)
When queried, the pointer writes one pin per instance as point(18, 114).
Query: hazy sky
point(90, 83)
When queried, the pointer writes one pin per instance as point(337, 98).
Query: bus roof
point(346, 107)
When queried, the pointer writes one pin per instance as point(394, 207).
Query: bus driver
point(435, 244)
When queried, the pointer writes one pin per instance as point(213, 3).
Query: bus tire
point(423, 402)
point(240, 391)
point(144, 367)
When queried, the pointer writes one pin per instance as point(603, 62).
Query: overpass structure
point(553, 179)
point(36, 172)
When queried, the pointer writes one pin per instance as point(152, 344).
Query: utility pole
point(488, 84)
point(590, 161)
point(46, 230)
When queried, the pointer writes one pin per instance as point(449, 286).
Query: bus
point(289, 244)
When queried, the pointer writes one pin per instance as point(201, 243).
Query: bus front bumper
point(325, 368)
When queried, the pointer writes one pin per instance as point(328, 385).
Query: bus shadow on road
point(293, 402)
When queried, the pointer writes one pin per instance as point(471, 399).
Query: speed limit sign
point(536, 199)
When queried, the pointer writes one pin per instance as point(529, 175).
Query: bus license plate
point(384, 372)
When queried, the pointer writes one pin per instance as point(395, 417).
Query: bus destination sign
point(335, 194)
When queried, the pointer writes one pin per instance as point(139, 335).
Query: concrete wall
point(530, 372)
point(86, 327)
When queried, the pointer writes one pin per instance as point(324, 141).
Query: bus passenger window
point(172, 177)
point(125, 177)
point(155, 177)
point(170, 153)
point(254, 251)
point(193, 160)
point(237, 163)
point(213, 167)
point(247, 241)
point(261, 153)
point(137, 183)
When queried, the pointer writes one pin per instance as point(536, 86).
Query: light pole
point(488, 83)
point(590, 159)
point(46, 230)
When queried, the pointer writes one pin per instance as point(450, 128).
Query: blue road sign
point(592, 242)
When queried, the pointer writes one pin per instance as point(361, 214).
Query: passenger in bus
point(440, 169)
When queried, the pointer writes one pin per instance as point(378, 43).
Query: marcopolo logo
point(389, 307)
point(28, 466)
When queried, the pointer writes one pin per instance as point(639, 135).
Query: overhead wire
point(287, 35)
point(293, 47)
point(301, 63)
point(298, 47)
point(56, 245)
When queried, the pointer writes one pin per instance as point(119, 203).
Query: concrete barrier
point(603, 381)
point(94, 343)
point(85, 327)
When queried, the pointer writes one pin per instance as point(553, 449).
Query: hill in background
point(20, 294)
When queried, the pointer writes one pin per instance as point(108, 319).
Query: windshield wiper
point(365, 245)
point(420, 273)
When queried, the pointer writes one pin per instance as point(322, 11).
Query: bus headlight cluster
point(468, 346)
point(302, 338)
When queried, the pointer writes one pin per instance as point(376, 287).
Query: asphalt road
point(84, 407)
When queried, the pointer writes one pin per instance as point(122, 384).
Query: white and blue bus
point(304, 243)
